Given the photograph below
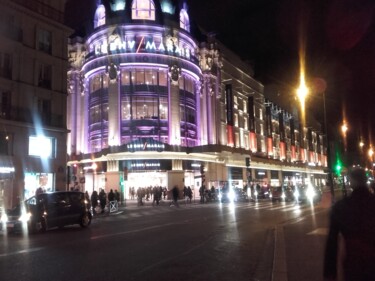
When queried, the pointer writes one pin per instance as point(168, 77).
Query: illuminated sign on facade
point(144, 45)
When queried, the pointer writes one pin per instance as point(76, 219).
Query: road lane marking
point(319, 231)
point(21, 252)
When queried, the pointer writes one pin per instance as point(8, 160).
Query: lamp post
point(329, 162)
point(344, 129)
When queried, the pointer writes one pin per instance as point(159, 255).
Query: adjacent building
point(33, 98)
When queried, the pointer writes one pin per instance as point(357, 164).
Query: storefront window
point(125, 108)
point(151, 77)
point(163, 79)
point(139, 77)
point(95, 83)
point(125, 78)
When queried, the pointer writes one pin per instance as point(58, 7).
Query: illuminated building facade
point(33, 91)
point(152, 103)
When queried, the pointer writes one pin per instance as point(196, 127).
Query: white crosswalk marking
point(138, 212)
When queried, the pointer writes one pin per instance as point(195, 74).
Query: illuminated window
point(41, 146)
point(245, 106)
point(235, 119)
point(125, 78)
point(245, 123)
point(140, 77)
point(167, 7)
point(118, 5)
point(143, 10)
point(163, 78)
point(99, 16)
point(96, 83)
point(235, 102)
point(260, 114)
point(237, 137)
point(184, 20)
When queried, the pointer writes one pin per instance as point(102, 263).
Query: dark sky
point(339, 36)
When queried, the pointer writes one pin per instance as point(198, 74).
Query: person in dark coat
point(102, 199)
point(94, 201)
point(175, 194)
point(111, 196)
point(354, 218)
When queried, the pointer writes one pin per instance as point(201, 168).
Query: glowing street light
point(361, 144)
point(371, 152)
point(302, 93)
point(344, 129)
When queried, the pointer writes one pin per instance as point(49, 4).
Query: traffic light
point(247, 161)
point(202, 169)
point(338, 167)
point(125, 173)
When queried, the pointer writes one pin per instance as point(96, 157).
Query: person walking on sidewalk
point(352, 217)
point(175, 194)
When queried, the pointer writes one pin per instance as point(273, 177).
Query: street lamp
point(302, 93)
point(344, 129)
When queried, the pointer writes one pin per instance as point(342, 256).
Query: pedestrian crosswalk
point(264, 206)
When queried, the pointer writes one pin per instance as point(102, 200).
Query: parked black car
point(48, 210)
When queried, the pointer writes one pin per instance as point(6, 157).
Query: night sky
point(339, 36)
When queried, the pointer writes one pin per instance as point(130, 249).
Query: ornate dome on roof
point(86, 16)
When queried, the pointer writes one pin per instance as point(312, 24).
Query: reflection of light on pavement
point(232, 208)
point(312, 208)
point(297, 209)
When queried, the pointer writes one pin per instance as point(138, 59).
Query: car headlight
point(231, 195)
point(4, 218)
point(310, 193)
point(25, 217)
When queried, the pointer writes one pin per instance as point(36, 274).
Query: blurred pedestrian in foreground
point(353, 218)
point(175, 193)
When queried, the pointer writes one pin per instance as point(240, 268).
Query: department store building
point(152, 101)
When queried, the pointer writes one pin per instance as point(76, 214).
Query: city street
point(241, 241)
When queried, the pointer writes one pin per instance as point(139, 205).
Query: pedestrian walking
point(102, 200)
point(353, 217)
point(94, 201)
point(111, 196)
point(175, 194)
point(117, 196)
point(189, 193)
point(156, 195)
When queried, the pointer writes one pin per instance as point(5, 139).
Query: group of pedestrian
point(100, 200)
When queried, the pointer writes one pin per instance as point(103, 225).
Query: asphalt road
point(242, 241)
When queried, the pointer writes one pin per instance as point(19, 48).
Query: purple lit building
point(154, 101)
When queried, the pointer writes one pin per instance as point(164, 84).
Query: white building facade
point(152, 104)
